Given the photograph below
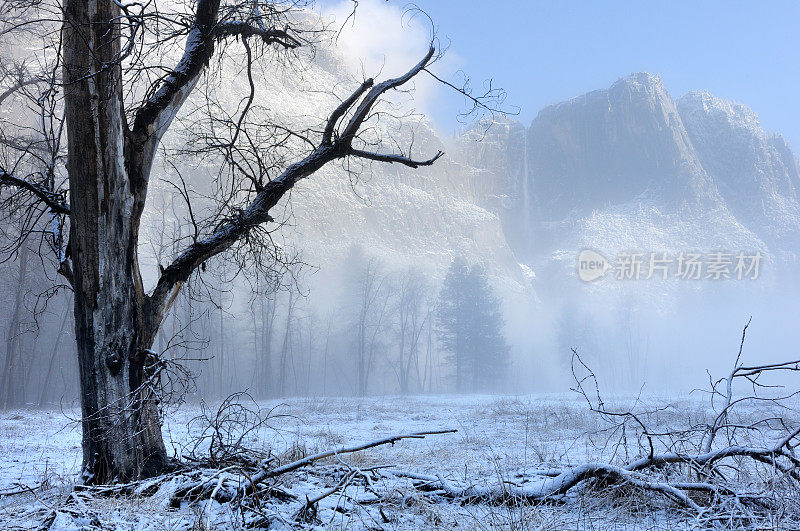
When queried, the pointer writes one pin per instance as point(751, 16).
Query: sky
point(545, 52)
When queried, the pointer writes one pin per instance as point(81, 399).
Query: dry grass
point(500, 439)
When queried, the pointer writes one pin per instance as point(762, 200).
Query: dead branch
point(243, 480)
point(308, 512)
point(21, 489)
point(334, 145)
point(289, 467)
point(550, 488)
point(53, 201)
point(663, 473)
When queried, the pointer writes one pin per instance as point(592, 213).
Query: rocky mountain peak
point(643, 83)
point(695, 161)
point(756, 172)
point(701, 105)
point(613, 146)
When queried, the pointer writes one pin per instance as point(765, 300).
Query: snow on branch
point(368, 102)
point(400, 159)
point(267, 35)
point(155, 115)
point(333, 145)
point(52, 200)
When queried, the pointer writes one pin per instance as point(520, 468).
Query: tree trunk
point(121, 425)
point(255, 381)
point(265, 355)
point(361, 358)
point(286, 345)
point(43, 394)
point(7, 396)
point(402, 365)
point(221, 371)
point(325, 357)
point(27, 367)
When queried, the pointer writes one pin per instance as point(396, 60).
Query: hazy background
point(610, 150)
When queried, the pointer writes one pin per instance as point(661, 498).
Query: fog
point(257, 274)
point(347, 297)
point(301, 335)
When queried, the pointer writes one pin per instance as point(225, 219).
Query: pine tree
point(486, 341)
point(470, 327)
point(452, 319)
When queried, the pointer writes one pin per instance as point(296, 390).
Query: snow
point(498, 438)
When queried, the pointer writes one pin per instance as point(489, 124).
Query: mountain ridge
point(632, 144)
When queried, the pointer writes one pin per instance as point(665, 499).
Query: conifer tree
point(470, 327)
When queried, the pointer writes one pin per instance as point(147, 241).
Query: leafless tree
point(286, 344)
point(411, 320)
point(51, 365)
point(113, 93)
point(731, 469)
point(367, 292)
point(263, 329)
point(13, 358)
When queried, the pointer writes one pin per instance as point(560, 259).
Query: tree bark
point(121, 422)
point(109, 166)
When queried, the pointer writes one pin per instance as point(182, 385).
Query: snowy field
point(498, 439)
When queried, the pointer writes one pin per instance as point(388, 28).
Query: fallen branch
point(657, 472)
point(550, 488)
point(294, 465)
point(22, 489)
point(308, 512)
point(217, 486)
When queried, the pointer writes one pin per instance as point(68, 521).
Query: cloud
point(383, 40)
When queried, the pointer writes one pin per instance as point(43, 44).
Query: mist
point(623, 170)
point(244, 256)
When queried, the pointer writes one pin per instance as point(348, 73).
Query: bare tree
point(286, 345)
point(366, 291)
point(411, 321)
point(729, 469)
point(45, 390)
point(119, 100)
point(13, 358)
point(263, 307)
point(326, 353)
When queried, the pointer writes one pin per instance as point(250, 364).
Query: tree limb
point(51, 199)
point(400, 159)
point(337, 114)
point(153, 118)
point(20, 84)
point(363, 110)
point(245, 30)
point(257, 212)
point(294, 465)
point(552, 487)
point(210, 486)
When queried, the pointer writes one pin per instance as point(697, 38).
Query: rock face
point(622, 168)
point(756, 173)
point(406, 217)
point(629, 169)
point(695, 172)
point(610, 147)
point(498, 152)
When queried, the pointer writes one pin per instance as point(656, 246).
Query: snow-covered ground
point(498, 439)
